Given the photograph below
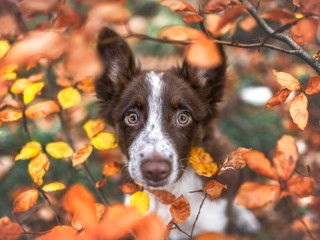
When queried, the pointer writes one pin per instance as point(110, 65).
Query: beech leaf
point(280, 97)
point(104, 141)
point(141, 201)
point(313, 85)
point(214, 189)
point(38, 167)
point(54, 186)
point(298, 110)
point(30, 150)
point(59, 150)
point(180, 209)
point(68, 97)
point(25, 200)
point(81, 155)
point(42, 109)
point(202, 162)
point(287, 81)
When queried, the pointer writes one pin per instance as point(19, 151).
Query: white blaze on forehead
point(152, 139)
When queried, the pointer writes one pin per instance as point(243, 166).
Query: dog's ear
point(119, 68)
point(208, 82)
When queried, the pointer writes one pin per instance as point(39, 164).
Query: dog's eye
point(183, 118)
point(131, 119)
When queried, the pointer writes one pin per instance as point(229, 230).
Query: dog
point(158, 116)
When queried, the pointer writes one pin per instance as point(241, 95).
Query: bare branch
point(199, 211)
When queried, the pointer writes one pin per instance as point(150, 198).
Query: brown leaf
point(279, 15)
point(38, 167)
point(214, 6)
point(280, 97)
point(287, 81)
point(248, 23)
point(214, 189)
point(180, 209)
point(170, 226)
point(110, 169)
point(164, 196)
point(61, 233)
point(192, 18)
point(310, 7)
point(298, 110)
point(296, 3)
point(129, 188)
point(9, 230)
point(42, 109)
point(101, 183)
point(178, 5)
point(31, 7)
point(301, 186)
point(305, 31)
point(10, 115)
point(204, 54)
point(149, 227)
point(86, 85)
point(9, 26)
point(100, 210)
point(235, 160)
point(25, 200)
point(81, 155)
point(313, 85)
point(255, 195)
point(258, 163)
point(66, 17)
point(181, 33)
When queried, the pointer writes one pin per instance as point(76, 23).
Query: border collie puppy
point(158, 117)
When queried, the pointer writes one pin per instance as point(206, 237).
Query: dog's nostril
point(141, 155)
point(156, 170)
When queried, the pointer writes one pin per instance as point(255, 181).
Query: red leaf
point(313, 85)
point(180, 209)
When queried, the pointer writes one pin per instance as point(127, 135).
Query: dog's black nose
point(155, 171)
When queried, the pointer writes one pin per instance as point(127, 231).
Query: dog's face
point(156, 115)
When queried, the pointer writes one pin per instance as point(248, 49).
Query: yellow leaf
point(81, 155)
point(4, 47)
point(8, 76)
point(30, 150)
point(141, 201)
point(59, 150)
point(54, 186)
point(25, 200)
point(94, 127)
point(69, 97)
point(38, 167)
point(298, 110)
point(31, 90)
point(104, 141)
point(19, 85)
point(202, 162)
point(287, 81)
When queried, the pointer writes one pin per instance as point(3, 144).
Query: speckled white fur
point(152, 139)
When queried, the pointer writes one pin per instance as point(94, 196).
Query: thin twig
point(36, 233)
point(178, 227)
point(25, 122)
point(50, 204)
point(199, 211)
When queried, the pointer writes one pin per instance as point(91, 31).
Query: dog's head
point(156, 115)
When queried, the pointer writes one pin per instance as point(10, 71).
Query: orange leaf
point(38, 167)
point(258, 163)
point(101, 183)
point(149, 227)
point(42, 109)
point(286, 156)
point(10, 115)
point(313, 85)
point(86, 85)
point(300, 35)
point(181, 33)
point(94, 127)
point(80, 203)
point(110, 169)
point(235, 159)
point(214, 189)
point(192, 18)
point(301, 186)
point(178, 5)
point(204, 54)
point(215, 236)
point(25, 200)
point(255, 195)
point(287, 81)
point(61, 233)
point(164, 196)
point(81, 155)
point(298, 110)
point(214, 6)
point(280, 97)
point(129, 188)
point(9, 230)
point(180, 209)
point(279, 15)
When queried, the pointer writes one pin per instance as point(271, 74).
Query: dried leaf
point(164, 196)
point(214, 189)
point(25, 200)
point(178, 5)
point(141, 201)
point(287, 81)
point(235, 160)
point(301, 186)
point(215, 236)
point(38, 167)
point(59, 150)
point(279, 15)
point(61, 233)
point(81, 155)
point(9, 230)
point(19, 85)
point(214, 6)
point(110, 169)
point(258, 163)
point(181, 33)
point(42, 109)
point(313, 85)
point(255, 195)
point(86, 85)
point(31, 7)
point(305, 31)
point(296, 3)
point(4, 47)
point(53, 187)
point(30, 150)
point(149, 227)
point(100, 210)
point(31, 90)
point(202, 162)
point(94, 127)
point(104, 141)
point(101, 183)
point(180, 209)
point(248, 23)
point(192, 18)
point(66, 17)
point(68, 97)
point(280, 97)
point(10, 115)
point(129, 188)
point(298, 110)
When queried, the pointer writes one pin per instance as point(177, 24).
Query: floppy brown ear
point(119, 68)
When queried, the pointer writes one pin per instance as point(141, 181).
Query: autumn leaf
point(19, 85)
point(59, 150)
point(68, 97)
point(9, 230)
point(178, 5)
point(94, 127)
point(313, 85)
point(216, 236)
point(30, 150)
point(192, 18)
point(235, 159)
point(141, 201)
point(164, 196)
point(129, 188)
point(202, 162)
point(298, 110)
point(31, 7)
point(181, 33)
point(81, 155)
point(301, 186)
point(61, 233)
point(287, 81)
point(214, 189)
point(180, 209)
point(280, 97)
point(258, 163)
point(104, 141)
point(149, 227)
point(54, 186)
point(100, 210)
point(25, 200)
point(86, 85)
point(214, 6)
point(10, 115)
point(101, 183)
point(110, 169)
point(38, 167)
point(31, 90)
point(4, 47)
point(42, 109)
point(255, 195)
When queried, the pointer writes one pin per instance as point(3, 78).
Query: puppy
point(158, 117)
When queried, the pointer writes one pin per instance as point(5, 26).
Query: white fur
point(152, 139)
